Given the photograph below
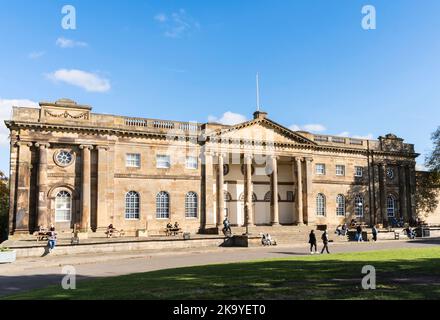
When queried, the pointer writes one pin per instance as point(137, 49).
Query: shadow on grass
point(401, 274)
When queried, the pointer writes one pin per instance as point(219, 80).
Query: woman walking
point(312, 241)
point(52, 239)
point(325, 239)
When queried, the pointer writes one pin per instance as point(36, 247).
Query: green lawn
point(401, 274)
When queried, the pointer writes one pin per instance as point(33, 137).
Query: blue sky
point(194, 60)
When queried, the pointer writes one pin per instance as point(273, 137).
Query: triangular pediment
point(263, 130)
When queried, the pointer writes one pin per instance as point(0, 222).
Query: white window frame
point(163, 205)
point(358, 171)
point(320, 169)
point(133, 160)
point(391, 206)
point(340, 205)
point(163, 161)
point(191, 205)
point(192, 162)
point(359, 206)
point(320, 205)
point(65, 209)
point(340, 173)
point(132, 205)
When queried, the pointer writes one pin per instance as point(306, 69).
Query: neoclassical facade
point(71, 166)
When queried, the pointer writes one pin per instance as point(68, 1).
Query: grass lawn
point(401, 274)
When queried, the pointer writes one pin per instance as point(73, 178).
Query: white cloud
point(5, 114)
point(228, 118)
point(177, 24)
point(421, 167)
point(69, 43)
point(308, 127)
point(161, 17)
point(91, 82)
point(36, 55)
point(363, 137)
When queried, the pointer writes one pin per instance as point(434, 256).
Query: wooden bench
point(173, 231)
point(41, 235)
point(115, 233)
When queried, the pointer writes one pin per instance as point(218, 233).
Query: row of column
point(303, 189)
point(42, 215)
point(381, 192)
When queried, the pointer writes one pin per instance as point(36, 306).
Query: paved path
point(31, 273)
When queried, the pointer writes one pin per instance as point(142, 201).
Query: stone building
point(71, 166)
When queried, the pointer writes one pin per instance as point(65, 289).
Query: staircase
point(289, 234)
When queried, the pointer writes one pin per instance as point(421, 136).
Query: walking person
point(325, 239)
point(374, 233)
point(312, 241)
point(52, 239)
point(359, 233)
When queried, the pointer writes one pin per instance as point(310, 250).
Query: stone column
point(21, 217)
point(13, 167)
point(220, 193)
point(402, 193)
point(309, 214)
point(208, 192)
point(274, 210)
point(411, 189)
point(42, 216)
point(376, 190)
point(248, 188)
point(101, 209)
point(85, 188)
point(383, 193)
point(299, 202)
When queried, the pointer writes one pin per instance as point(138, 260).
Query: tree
point(428, 183)
point(4, 206)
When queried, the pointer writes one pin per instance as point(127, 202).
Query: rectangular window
point(340, 170)
point(320, 168)
point(290, 196)
point(163, 161)
point(133, 160)
point(358, 172)
point(191, 163)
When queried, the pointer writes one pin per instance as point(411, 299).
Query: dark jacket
point(324, 237)
point(312, 238)
point(359, 229)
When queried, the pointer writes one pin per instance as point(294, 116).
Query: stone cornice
point(161, 135)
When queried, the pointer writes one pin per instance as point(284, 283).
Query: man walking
point(325, 239)
point(374, 233)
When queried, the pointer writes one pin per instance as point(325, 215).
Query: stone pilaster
point(299, 191)
point(102, 184)
point(208, 192)
point(13, 167)
point(310, 199)
point(85, 188)
point(248, 188)
point(21, 216)
point(43, 219)
point(402, 193)
point(220, 192)
point(274, 208)
point(383, 193)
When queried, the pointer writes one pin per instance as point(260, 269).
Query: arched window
point(227, 196)
point(163, 205)
point(132, 205)
point(340, 205)
point(320, 205)
point(63, 207)
point(359, 206)
point(268, 196)
point(254, 197)
point(391, 206)
point(191, 205)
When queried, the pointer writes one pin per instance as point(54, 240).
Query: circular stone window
point(63, 158)
point(390, 173)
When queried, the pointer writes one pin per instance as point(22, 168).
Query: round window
point(63, 158)
point(390, 173)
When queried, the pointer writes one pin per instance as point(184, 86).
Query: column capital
point(298, 159)
point(24, 143)
point(86, 146)
point(42, 145)
point(106, 148)
point(248, 156)
point(308, 159)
